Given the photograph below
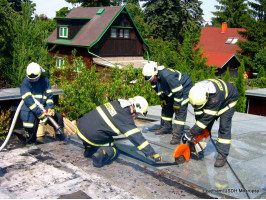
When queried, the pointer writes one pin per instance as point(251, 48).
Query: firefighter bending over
point(172, 87)
point(97, 128)
point(213, 99)
point(34, 89)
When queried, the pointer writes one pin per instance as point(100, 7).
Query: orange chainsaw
point(183, 151)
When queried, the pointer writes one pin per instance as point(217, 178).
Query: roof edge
point(111, 22)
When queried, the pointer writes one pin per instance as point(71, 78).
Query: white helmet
point(33, 72)
point(198, 95)
point(149, 70)
point(140, 105)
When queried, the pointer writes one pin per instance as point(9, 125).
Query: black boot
point(99, 158)
point(175, 140)
point(60, 134)
point(165, 129)
point(220, 161)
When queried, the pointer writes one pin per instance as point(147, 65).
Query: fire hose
point(48, 116)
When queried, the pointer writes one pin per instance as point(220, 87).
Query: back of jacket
point(225, 94)
point(110, 119)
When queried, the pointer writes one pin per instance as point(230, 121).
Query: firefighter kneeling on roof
point(213, 99)
point(97, 128)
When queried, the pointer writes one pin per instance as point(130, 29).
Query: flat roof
point(14, 93)
point(258, 92)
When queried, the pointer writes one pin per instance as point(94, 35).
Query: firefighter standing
point(173, 87)
point(212, 99)
point(37, 87)
point(97, 128)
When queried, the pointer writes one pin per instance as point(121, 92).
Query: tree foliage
point(27, 43)
point(170, 19)
point(240, 85)
point(231, 11)
point(255, 33)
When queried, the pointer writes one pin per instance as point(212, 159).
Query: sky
point(49, 7)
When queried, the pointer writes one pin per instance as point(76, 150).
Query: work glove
point(189, 136)
point(156, 157)
point(51, 111)
point(176, 109)
point(43, 118)
point(163, 103)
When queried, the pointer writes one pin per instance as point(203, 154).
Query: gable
point(218, 59)
point(99, 20)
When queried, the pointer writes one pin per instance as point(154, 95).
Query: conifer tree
point(240, 85)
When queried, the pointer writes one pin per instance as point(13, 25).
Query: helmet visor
point(33, 77)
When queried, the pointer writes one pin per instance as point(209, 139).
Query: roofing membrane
point(246, 158)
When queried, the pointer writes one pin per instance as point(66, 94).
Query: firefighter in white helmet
point(98, 127)
point(172, 87)
point(36, 86)
point(213, 99)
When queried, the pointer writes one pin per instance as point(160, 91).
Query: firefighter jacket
point(41, 91)
point(172, 83)
point(222, 97)
point(98, 127)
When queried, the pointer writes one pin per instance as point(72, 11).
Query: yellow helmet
point(140, 105)
point(198, 96)
point(149, 70)
point(33, 72)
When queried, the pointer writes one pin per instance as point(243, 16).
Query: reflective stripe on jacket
point(108, 120)
point(40, 90)
point(173, 84)
point(226, 97)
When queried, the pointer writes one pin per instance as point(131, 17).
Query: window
point(231, 40)
point(123, 32)
point(234, 40)
point(113, 33)
point(126, 33)
point(63, 31)
point(60, 62)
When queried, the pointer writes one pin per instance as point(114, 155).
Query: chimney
point(224, 27)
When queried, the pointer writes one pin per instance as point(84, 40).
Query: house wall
point(233, 65)
point(66, 51)
point(256, 105)
point(108, 46)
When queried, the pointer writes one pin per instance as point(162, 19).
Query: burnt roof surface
point(94, 29)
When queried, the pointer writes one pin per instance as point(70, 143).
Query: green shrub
point(4, 122)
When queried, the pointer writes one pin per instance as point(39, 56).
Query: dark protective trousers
point(179, 120)
point(31, 133)
point(224, 131)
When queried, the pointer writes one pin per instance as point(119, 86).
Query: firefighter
point(213, 99)
point(172, 87)
point(98, 127)
point(36, 86)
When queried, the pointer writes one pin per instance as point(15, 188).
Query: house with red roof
point(219, 45)
point(104, 36)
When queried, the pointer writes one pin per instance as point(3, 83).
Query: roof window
point(231, 40)
point(100, 11)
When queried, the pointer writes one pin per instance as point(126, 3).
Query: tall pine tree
point(231, 11)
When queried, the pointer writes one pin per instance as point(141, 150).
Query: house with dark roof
point(219, 45)
point(105, 36)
